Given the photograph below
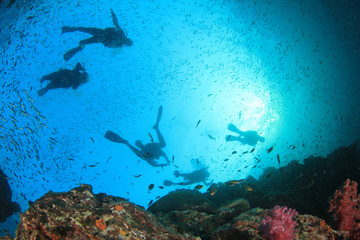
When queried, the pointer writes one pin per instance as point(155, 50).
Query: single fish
point(198, 187)
point(151, 186)
point(137, 176)
point(151, 138)
point(270, 149)
point(248, 188)
point(198, 123)
point(211, 137)
point(278, 158)
point(233, 182)
point(212, 190)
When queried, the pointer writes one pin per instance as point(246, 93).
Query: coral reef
point(189, 214)
point(279, 225)
point(345, 206)
point(80, 214)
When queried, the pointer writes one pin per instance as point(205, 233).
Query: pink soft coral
point(345, 206)
point(279, 225)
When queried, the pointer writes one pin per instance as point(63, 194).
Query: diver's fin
point(42, 91)
point(233, 128)
point(158, 118)
point(177, 173)
point(168, 183)
point(114, 137)
point(69, 54)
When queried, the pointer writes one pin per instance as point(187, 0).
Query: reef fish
point(198, 123)
point(234, 182)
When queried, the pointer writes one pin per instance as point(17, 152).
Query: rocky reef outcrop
point(189, 214)
point(81, 214)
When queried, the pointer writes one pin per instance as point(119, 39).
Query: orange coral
point(119, 208)
point(100, 223)
point(324, 226)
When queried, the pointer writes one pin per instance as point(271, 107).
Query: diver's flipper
point(42, 91)
point(168, 183)
point(114, 137)
point(69, 54)
point(158, 118)
point(233, 128)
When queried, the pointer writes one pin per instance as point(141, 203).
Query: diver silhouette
point(111, 37)
point(65, 78)
point(249, 137)
point(196, 176)
point(148, 152)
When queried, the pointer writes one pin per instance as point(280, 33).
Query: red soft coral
point(279, 225)
point(345, 206)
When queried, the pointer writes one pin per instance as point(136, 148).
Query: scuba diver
point(65, 78)
point(196, 176)
point(111, 37)
point(148, 152)
point(249, 137)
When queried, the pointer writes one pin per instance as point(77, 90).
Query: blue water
point(288, 70)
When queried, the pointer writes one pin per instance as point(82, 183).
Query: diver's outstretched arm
point(116, 23)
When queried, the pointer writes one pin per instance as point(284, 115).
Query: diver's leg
point(156, 127)
point(230, 138)
point(51, 76)
point(42, 91)
point(135, 150)
point(233, 128)
point(94, 39)
point(158, 118)
point(93, 31)
point(69, 54)
point(110, 135)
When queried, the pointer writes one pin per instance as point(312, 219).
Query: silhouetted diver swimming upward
point(196, 176)
point(110, 37)
point(65, 78)
point(148, 152)
point(249, 137)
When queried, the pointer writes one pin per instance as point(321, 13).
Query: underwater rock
point(246, 226)
point(305, 187)
point(80, 214)
point(182, 200)
point(7, 207)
